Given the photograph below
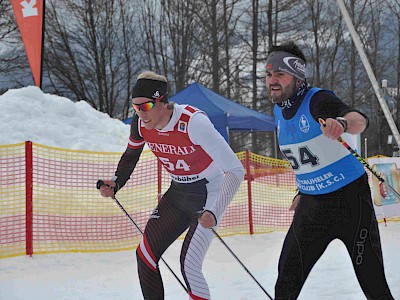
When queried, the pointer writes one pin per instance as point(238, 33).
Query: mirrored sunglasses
point(146, 106)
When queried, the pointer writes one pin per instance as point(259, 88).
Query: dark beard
point(296, 97)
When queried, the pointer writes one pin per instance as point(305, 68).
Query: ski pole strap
point(100, 183)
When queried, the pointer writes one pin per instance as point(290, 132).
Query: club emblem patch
point(182, 126)
point(304, 124)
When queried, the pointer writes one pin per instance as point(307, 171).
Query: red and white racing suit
point(205, 175)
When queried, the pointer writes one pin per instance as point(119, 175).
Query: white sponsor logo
point(156, 94)
point(154, 214)
point(28, 8)
point(295, 65)
point(163, 133)
point(171, 149)
point(360, 246)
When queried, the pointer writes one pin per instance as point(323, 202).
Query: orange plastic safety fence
point(272, 188)
point(12, 200)
point(272, 191)
point(70, 215)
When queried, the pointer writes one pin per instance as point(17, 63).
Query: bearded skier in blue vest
point(334, 199)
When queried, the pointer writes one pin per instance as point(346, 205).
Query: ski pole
point(234, 255)
point(99, 184)
point(361, 160)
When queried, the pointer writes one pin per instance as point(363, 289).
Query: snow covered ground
point(105, 276)
point(29, 114)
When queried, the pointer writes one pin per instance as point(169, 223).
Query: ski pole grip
point(198, 214)
point(99, 184)
point(322, 122)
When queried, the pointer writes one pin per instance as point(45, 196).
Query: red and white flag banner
point(29, 15)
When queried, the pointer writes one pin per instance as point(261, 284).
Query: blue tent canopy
point(225, 114)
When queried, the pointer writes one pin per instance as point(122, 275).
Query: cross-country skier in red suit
point(205, 174)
